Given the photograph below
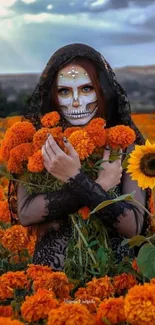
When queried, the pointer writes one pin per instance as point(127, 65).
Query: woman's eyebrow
point(85, 84)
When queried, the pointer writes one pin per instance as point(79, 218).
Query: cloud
point(31, 30)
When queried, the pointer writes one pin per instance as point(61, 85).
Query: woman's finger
point(55, 148)
point(72, 151)
point(50, 152)
point(45, 154)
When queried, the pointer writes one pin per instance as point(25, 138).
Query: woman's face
point(76, 95)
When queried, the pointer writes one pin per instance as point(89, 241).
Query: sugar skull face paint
point(76, 95)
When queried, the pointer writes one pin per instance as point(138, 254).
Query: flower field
point(36, 295)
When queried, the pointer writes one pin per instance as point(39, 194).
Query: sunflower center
point(147, 164)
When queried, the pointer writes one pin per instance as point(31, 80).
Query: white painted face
point(76, 95)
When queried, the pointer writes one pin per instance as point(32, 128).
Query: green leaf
point(93, 272)
point(146, 261)
point(93, 243)
point(125, 242)
point(106, 321)
point(125, 162)
point(100, 252)
point(125, 197)
point(136, 241)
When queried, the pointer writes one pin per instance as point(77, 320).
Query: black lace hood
point(117, 103)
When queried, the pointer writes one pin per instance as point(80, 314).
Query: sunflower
point(142, 165)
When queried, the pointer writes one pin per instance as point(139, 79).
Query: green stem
point(84, 240)
point(142, 206)
point(32, 184)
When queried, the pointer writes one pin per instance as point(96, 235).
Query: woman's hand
point(57, 162)
point(111, 175)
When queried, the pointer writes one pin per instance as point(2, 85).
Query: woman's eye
point(87, 89)
point(63, 91)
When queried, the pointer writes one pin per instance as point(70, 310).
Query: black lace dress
point(55, 208)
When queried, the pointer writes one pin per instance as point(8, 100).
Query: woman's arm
point(37, 208)
point(132, 224)
point(123, 216)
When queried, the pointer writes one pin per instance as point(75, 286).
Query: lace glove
point(92, 194)
point(37, 208)
point(61, 203)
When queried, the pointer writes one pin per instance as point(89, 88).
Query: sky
point(31, 30)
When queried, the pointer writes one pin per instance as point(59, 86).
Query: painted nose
point(76, 103)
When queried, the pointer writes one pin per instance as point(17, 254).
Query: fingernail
point(65, 139)
point(106, 148)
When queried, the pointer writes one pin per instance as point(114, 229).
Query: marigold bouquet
point(21, 151)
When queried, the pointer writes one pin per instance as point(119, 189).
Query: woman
point(80, 84)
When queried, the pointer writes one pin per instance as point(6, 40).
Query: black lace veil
point(117, 103)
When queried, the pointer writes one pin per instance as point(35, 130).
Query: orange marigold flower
point(35, 162)
point(123, 282)
point(1, 233)
point(50, 119)
point(5, 291)
point(9, 121)
point(57, 135)
point(19, 156)
point(82, 143)
point(98, 122)
point(140, 305)
point(112, 311)
point(1, 193)
point(72, 314)
point(4, 212)
point(4, 181)
point(35, 271)
point(91, 303)
point(120, 136)
point(101, 288)
point(14, 280)
point(135, 266)
point(57, 282)
point(9, 321)
point(40, 138)
point(6, 311)
point(31, 245)
point(84, 213)
point(70, 130)
point(152, 281)
point(97, 134)
point(38, 306)
point(15, 239)
point(20, 132)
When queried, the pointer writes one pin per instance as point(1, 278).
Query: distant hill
point(138, 81)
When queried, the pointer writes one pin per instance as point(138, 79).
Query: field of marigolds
point(36, 295)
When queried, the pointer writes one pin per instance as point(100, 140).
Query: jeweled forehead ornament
point(72, 73)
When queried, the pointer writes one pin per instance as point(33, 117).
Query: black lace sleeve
point(92, 194)
point(36, 208)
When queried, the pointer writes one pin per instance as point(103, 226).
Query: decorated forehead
point(72, 72)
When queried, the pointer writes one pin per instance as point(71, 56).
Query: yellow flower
point(142, 165)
